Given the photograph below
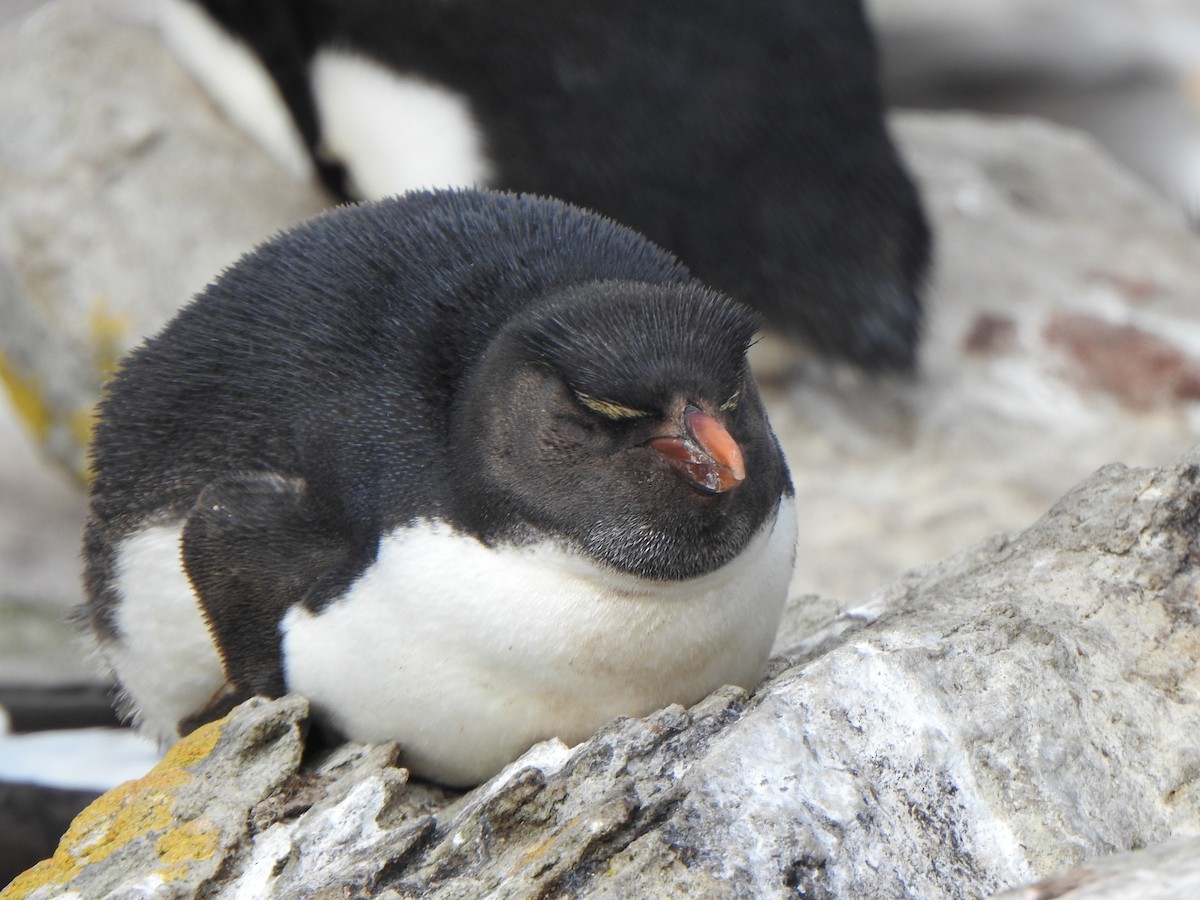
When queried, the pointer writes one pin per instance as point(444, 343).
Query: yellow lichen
point(128, 812)
point(110, 335)
point(27, 399)
point(193, 748)
point(65, 431)
point(109, 332)
point(112, 821)
point(192, 842)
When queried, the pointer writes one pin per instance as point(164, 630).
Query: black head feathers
point(634, 347)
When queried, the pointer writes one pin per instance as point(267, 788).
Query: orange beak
point(707, 457)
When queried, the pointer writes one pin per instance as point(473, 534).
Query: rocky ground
point(1126, 71)
point(1009, 714)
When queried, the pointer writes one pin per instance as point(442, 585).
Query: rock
point(32, 819)
point(124, 193)
point(1025, 707)
point(39, 647)
point(39, 554)
point(168, 833)
point(1062, 336)
point(1166, 871)
point(1125, 70)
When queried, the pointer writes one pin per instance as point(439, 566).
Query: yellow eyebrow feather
point(608, 408)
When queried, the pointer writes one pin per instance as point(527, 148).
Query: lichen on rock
point(174, 825)
point(1024, 708)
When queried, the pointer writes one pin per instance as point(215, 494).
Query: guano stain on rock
point(1140, 369)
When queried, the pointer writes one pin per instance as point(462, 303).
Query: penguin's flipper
point(253, 548)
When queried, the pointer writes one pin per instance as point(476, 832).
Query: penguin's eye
point(732, 402)
point(607, 408)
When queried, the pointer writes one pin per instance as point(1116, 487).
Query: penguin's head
point(624, 418)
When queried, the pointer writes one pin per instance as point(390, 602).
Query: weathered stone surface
point(123, 193)
point(168, 834)
point(1123, 70)
point(39, 558)
point(1167, 871)
point(1020, 709)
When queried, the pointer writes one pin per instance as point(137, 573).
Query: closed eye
point(609, 409)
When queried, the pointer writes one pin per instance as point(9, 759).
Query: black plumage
point(748, 138)
point(510, 366)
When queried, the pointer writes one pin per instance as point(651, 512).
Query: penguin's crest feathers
point(625, 346)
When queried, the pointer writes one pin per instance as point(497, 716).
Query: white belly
point(164, 659)
point(467, 657)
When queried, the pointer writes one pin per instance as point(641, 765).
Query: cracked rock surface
point(1023, 709)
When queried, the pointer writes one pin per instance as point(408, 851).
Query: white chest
point(467, 656)
point(463, 655)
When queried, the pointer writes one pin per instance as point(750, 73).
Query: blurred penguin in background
point(748, 138)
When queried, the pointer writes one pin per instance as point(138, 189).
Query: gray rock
point(124, 193)
point(170, 832)
point(1062, 336)
point(1167, 871)
point(39, 646)
point(1023, 708)
point(1124, 70)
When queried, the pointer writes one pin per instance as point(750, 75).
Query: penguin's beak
point(706, 456)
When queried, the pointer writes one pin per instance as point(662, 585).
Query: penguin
point(749, 139)
point(468, 470)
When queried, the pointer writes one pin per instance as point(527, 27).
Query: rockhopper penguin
point(748, 137)
point(468, 470)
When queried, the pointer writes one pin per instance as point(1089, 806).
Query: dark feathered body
point(749, 138)
point(415, 364)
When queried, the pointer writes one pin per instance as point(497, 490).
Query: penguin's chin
point(679, 552)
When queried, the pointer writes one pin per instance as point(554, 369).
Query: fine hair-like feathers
point(483, 371)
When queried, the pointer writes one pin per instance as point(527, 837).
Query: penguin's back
point(359, 322)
